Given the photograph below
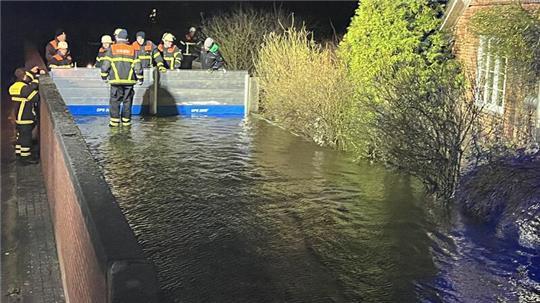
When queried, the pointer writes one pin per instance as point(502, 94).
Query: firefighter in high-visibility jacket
point(24, 92)
point(61, 59)
point(121, 70)
point(106, 42)
point(52, 47)
point(170, 52)
point(148, 52)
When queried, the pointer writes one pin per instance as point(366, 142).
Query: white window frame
point(488, 77)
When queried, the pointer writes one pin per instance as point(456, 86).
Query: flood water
point(231, 210)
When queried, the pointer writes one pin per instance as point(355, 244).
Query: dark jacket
point(123, 67)
point(212, 59)
point(51, 50)
point(191, 46)
point(60, 61)
point(148, 54)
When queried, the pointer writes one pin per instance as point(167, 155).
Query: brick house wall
point(515, 119)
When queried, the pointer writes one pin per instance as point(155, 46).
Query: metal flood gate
point(177, 92)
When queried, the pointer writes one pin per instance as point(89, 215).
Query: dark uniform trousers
point(25, 114)
point(121, 95)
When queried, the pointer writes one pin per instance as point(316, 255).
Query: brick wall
point(100, 258)
point(466, 48)
point(82, 276)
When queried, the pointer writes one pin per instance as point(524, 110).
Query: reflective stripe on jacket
point(172, 56)
point(122, 66)
point(25, 94)
point(101, 56)
point(51, 50)
point(59, 61)
point(148, 54)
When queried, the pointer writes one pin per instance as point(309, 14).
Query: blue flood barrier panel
point(182, 110)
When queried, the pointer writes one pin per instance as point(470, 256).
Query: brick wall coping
point(130, 277)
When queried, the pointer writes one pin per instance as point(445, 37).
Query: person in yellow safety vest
point(25, 93)
point(171, 54)
point(106, 42)
point(147, 53)
point(126, 71)
point(52, 47)
point(61, 59)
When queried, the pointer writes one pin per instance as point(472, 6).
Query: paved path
point(30, 269)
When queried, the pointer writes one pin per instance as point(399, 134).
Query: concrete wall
point(100, 258)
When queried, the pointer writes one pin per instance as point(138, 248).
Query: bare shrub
point(423, 125)
point(304, 86)
point(240, 33)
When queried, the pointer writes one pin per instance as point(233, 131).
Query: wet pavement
point(30, 268)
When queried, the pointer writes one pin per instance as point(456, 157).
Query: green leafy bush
point(389, 34)
point(386, 36)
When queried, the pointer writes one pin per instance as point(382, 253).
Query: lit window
point(491, 76)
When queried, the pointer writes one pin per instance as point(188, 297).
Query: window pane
point(491, 75)
point(495, 80)
point(502, 81)
point(488, 79)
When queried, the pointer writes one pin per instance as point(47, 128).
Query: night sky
point(34, 23)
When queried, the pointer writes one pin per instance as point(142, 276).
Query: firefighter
point(24, 92)
point(52, 47)
point(106, 42)
point(116, 31)
point(61, 59)
point(211, 57)
point(148, 53)
point(126, 71)
point(171, 54)
point(191, 48)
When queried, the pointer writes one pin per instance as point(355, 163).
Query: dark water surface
point(241, 211)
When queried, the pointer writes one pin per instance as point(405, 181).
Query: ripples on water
point(241, 211)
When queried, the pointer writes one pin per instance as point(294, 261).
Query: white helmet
point(62, 45)
point(106, 39)
point(192, 29)
point(208, 43)
point(168, 37)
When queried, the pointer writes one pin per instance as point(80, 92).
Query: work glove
point(162, 69)
point(139, 82)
